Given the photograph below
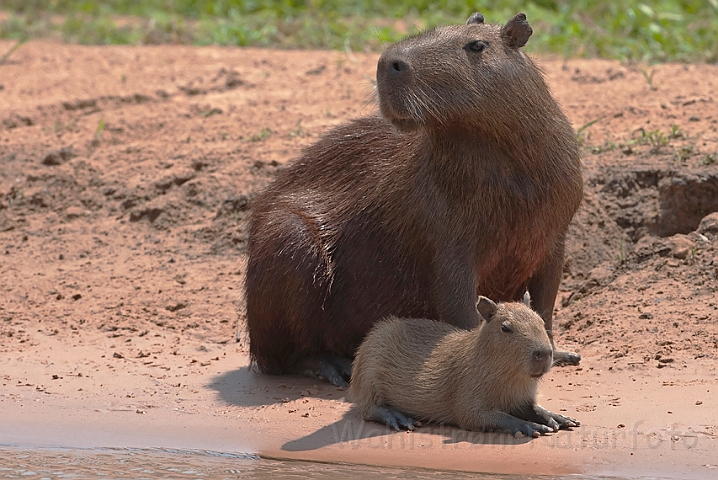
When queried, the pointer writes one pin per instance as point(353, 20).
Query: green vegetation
point(654, 138)
point(100, 127)
point(261, 136)
point(581, 133)
point(681, 156)
point(630, 30)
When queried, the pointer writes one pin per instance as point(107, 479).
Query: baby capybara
point(409, 370)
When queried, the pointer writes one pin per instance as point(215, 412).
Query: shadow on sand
point(350, 429)
point(245, 387)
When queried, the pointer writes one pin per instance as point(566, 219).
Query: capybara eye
point(505, 327)
point(477, 45)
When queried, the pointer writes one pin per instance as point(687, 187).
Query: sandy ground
point(126, 176)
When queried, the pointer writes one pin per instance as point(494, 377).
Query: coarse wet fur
point(464, 186)
point(410, 370)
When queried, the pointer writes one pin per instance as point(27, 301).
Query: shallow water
point(155, 463)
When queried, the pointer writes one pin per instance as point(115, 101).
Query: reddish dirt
point(126, 176)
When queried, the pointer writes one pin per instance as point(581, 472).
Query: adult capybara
point(464, 186)
point(482, 379)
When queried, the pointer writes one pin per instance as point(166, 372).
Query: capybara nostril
point(393, 66)
point(541, 355)
point(399, 67)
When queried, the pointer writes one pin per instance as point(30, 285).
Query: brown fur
point(436, 372)
point(466, 185)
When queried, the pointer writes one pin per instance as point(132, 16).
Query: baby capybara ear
point(486, 307)
point(475, 17)
point(527, 299)
point(517, 32)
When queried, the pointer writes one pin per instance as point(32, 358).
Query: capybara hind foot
point(331, 368)
point(394, 418)
point(561, 358)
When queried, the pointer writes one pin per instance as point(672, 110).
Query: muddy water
point(156, 463)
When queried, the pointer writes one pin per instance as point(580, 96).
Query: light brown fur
point(432, 371)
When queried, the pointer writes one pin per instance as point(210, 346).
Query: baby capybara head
point(461, 75)
point(514, 336)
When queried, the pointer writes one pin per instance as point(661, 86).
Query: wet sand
point(652, 428)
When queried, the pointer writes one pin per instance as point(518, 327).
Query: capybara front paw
point(394, 418)
point(561, 358)
point(554, 420)
point(565, 422)
point(553, 424)
point(531, 429)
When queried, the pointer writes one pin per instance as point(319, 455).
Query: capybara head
point(515, 337)
point(472, 75)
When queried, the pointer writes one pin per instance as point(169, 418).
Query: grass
point(7, 54)
point(630, 30)
point(582, 136)
point(100, 127)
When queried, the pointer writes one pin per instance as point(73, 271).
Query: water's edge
point(155, 463)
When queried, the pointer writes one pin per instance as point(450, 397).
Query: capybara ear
point(486, 307)
point(527, 299)
point(517, 32)
point(475, 17)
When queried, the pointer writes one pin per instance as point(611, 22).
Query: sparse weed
point(709, 159)
point(681, 156)
point(261, 136)
point(649, 78)
point(676, 132)
point(586, 125)
point(299, 131)
point(584, 137)
point(7, 54)
point(607, 146)
point(210, 111)
point(100, 127)
point(655, 138)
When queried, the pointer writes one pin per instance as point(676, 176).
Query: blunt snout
point(392, 66)
point(542, 359)
point(541, 355)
